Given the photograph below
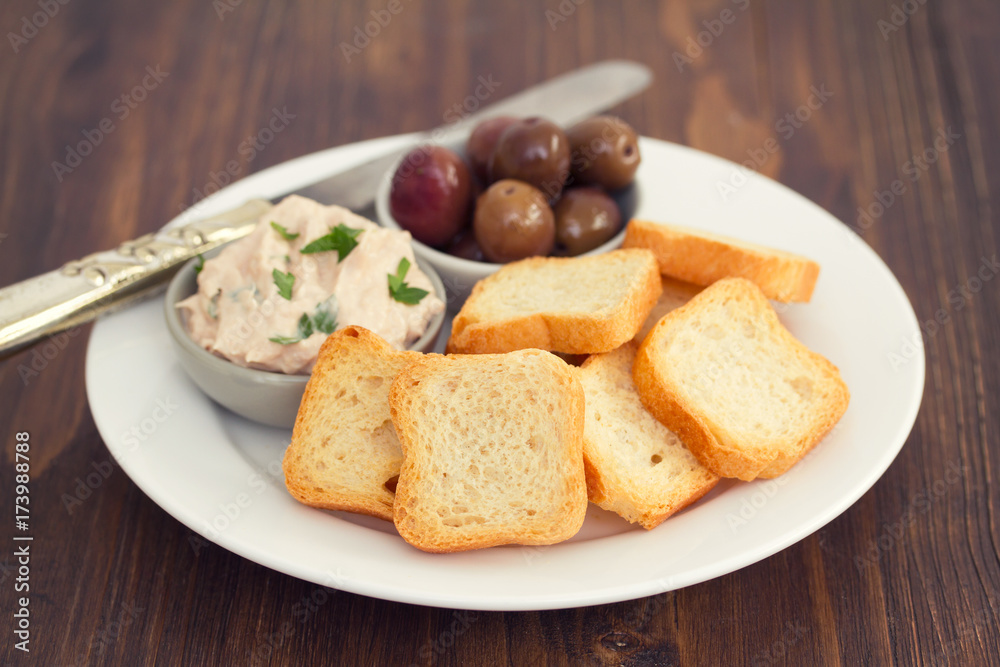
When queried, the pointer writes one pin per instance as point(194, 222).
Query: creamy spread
point(262, 303)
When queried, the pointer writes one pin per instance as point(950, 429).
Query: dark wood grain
point(119, 581)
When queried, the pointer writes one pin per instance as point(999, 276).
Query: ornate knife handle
point(104, 281)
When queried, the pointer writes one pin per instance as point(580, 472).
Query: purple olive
point(431, 194)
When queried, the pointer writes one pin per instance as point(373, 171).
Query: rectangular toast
point(573, 305)
point(492, 451)
point(702, 258)
point(746, 397)
point(344, 453)
point(636, 466)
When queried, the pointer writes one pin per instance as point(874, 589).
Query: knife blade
point(105, 281)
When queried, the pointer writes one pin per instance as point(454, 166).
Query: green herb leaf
point(325, 324)
point(402, 292)
point(285, 234)
point(341, 238)
point(396, 281)
point(284, 282)
point(284, 340)
point(410, 295)
point(323, 320)
point(305, 327)
point(199, 265)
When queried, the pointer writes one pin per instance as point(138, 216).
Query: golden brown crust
point(322, 501)
point(566, 332)
point(701, 258)
point(309, 426)
point(409, 513)
point(836, 409)
point(597, 491)
point(612, 482)
point(657, 397)
point(745, 461)
point(651, 520)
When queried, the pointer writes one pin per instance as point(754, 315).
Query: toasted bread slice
point(493, 451)
point(344, 453)
point(636, 466)
point(746, 397)
point(575, 305)
point(702, 258)
point(674, 295)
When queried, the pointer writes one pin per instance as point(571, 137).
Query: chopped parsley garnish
point(199, 265)
point(305, 330)
point(402, 292)
point(284, 282)
point(341, 238)
point(305, 327)
point(322, 321)
point(284, 340)
point(285, 234)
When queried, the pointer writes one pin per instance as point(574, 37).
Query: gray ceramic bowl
point(262, 396)
point(460, 275)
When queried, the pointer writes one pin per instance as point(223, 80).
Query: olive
point(465, 246)
point(585, 218)
point(605, 152)
point(431, 194)
point(482, 141)
point(533, 150)
point(513, 221)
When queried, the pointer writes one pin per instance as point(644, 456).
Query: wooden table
point(117, 581)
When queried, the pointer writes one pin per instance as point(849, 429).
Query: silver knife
point(105, 281)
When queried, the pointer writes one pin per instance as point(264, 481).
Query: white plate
point(220, 475)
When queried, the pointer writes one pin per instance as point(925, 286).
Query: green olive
point(585, 219)
point(513, 221)
point(605, 152)
point(533, 150)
